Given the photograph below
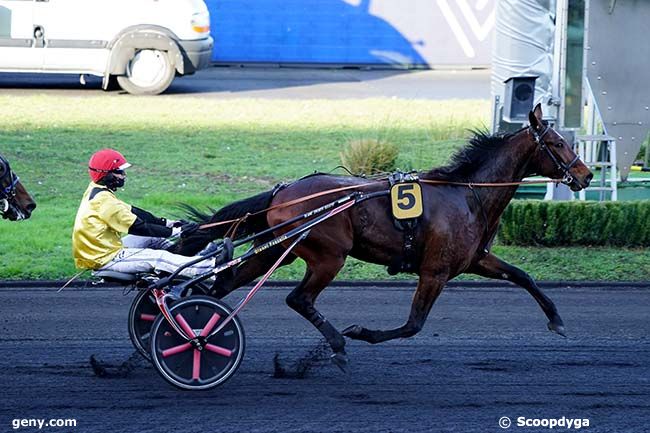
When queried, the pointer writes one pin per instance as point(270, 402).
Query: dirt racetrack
point(484, 354)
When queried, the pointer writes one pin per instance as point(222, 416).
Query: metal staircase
point(599, 152)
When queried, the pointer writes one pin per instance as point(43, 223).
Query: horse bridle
point(567, 177)
point(7, 193)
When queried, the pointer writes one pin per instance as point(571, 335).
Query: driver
point(102, 218)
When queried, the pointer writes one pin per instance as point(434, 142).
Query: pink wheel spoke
point(184, 325)
point(176, 349)
point(208, 326)
point(196, 367)
point(147, 317)
point(218, 350)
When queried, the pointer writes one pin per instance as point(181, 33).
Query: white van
point(143, 43)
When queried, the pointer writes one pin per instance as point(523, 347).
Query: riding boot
point(226, 275)
point(211, 248)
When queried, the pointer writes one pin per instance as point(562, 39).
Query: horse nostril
point(589, 177)
point(30, 208)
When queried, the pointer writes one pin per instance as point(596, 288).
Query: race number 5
point(406, 200)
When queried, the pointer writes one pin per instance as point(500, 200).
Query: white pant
point(138, 256)
point(134, 241)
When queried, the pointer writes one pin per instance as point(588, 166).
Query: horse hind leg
point(493, 267)
point(425, 295)
point(248, 271)
point(302, 299)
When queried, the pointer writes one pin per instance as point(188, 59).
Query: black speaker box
point(518, 98)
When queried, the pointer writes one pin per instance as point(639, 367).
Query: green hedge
point(548, 223)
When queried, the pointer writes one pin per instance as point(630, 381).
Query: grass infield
point(210, 152)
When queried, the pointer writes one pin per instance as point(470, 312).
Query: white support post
point(613, 174)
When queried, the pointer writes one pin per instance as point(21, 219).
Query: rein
point(346, 188)
point(488, 184)
point(287, 204)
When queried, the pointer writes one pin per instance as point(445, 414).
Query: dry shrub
point(369, 156)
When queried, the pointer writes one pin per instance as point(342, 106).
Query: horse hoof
point(353, 331)
point(341, 361)
point(557, 328)
point(97, 367)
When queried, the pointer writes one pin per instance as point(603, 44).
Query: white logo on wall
point(479, 31)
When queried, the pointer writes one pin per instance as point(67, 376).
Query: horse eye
point(559, 144)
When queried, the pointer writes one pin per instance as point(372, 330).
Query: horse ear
point(535, 117)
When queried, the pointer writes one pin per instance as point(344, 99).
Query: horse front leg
point(493, 267)
point(429, 287)
point(302, 300)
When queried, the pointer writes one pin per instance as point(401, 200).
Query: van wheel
point(148, 72)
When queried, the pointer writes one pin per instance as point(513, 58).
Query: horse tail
point(235, 211)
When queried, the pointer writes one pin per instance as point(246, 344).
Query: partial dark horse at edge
point(15, 202)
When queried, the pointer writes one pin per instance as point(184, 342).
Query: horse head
point(15, 202)
point(555, 157)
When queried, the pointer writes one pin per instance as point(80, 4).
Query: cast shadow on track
point(317, 357)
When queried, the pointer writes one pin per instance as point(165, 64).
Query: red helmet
point(104, 162)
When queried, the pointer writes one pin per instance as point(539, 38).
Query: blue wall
point(304, 31)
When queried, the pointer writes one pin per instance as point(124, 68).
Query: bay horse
point(15, 202)
point(453, 237)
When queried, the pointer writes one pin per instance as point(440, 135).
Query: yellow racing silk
point(98, 227)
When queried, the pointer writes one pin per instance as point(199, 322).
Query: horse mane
point(466, 160)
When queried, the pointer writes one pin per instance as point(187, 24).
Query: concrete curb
point(11, 284)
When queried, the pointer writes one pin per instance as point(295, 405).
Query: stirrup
point(176, 292)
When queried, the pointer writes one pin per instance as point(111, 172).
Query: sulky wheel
point(210, 363)
point(142, 314)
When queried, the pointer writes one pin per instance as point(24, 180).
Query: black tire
point(148, 72)
point(142, 314)
point(112, 84)
point(212, 368)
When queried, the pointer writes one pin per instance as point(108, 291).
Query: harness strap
point(8, 193)
point(290, 203)
point(408, 261)
point(485, 240)
point(9, 189)
point(561, 165)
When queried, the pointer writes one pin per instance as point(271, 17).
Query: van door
point(20, 40)
point(77, 34)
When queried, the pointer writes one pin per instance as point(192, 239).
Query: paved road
point(484, 354)
point(272, 83)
